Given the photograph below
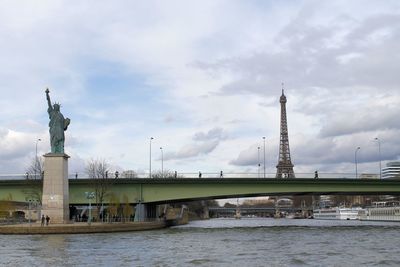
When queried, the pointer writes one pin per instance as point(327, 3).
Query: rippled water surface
point(217, 242)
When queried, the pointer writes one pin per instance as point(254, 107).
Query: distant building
point(129, 174)
point(392, 170)
point(258, 201)
point(325, 201)
point(284, 202)
point(369, 176)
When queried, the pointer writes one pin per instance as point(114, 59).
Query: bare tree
point(127, 210)
point(34, 176)
point(7, 206)
point(165, 174)
point(36, 168)
point(113, 207)
point(99, 173)
point(129, 174)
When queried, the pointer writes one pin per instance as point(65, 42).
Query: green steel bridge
point(170, 190)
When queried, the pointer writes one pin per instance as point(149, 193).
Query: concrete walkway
point(80, 228)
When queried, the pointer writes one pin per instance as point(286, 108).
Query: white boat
point(381, 211)
point(337, 213)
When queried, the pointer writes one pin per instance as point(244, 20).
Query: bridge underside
point(176, 190)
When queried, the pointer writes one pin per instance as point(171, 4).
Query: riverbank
point(80, 228)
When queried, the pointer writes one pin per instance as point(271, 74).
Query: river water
point(216, 242)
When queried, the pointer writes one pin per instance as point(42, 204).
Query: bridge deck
point(183, 189)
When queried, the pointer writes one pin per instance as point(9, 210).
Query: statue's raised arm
point(48, 98)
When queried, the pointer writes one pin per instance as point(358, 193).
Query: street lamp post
point(151, 138)
point(355, 159)
point(30, 214)
point(36, 156)
point(162, 162)
point(380, 158)
point(258, 153)
point(90, 196)
point(264, 154)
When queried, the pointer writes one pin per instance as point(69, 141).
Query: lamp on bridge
point(355, 159)
point(36, 157)
point(258, 153)
point(151, 138)
point(162, 162)
point(264, 154)
point(380, 158)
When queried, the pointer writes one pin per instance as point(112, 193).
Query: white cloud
point(248, 157)
point(193, 150)
point(216, 133)
point(203, 144)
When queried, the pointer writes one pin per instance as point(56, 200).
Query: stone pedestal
point(55, 198)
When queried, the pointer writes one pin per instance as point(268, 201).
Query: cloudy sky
point(204, 79)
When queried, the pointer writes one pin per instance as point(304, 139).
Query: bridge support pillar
point(206, 212)
point(140, 212)
point(55, 197)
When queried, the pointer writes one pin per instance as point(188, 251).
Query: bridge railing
point(20, 176)
point(183, 175)
point(261, 175)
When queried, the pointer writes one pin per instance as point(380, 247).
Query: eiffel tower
point(284, 169)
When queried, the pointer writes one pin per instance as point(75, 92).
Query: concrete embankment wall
point(81, 228)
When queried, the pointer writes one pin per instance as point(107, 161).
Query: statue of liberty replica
point(57, 126)
point(55, 195)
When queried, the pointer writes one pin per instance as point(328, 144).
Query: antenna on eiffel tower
point(284, 169)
